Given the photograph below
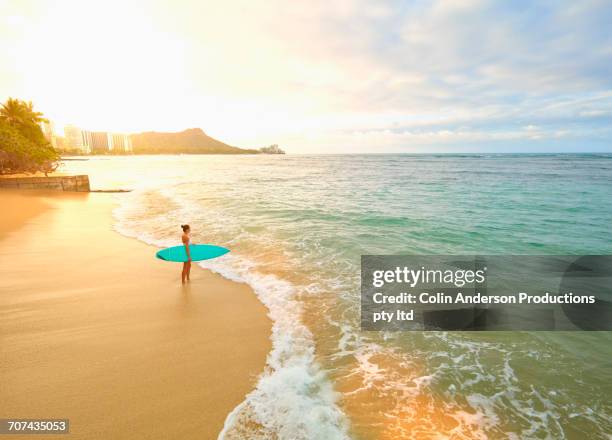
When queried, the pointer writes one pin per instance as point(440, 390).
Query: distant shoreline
point(76, 156)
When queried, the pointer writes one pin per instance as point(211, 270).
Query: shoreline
point(102, 333)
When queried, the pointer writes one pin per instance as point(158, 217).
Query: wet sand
point(93, 328)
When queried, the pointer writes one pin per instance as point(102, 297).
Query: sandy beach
point(95, 329)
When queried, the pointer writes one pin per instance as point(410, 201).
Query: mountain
point(192, 141)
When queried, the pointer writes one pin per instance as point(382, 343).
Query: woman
point(187, 264)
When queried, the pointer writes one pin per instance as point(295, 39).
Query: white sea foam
point(293, 399)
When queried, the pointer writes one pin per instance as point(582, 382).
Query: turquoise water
point(297, 226)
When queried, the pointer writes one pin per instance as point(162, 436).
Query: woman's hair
point(185, 227)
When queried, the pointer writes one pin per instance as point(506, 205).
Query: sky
point(342, 76)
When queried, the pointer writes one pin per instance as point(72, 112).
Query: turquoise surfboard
point(198, 252)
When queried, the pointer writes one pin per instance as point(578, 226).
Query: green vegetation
point(191, 141)
point(23, 147)
point(272, 149)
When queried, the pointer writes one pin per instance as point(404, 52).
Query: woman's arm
point(186, 243)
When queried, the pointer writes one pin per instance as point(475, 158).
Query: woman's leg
point(184, 272)
point(188, 270)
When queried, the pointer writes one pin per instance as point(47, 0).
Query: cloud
point(441, 72)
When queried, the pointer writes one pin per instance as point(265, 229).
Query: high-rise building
point(89, 142)
point(121, 143)
point(101, 142)
point(49, 131)
point(77, 139)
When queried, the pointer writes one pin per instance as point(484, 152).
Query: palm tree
point(23, 147)
point(20, 113)
point(22, 116)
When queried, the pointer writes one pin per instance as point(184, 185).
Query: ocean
point(297, 226)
